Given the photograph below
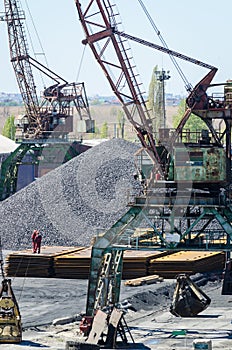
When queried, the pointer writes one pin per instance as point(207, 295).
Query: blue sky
point(199, 29)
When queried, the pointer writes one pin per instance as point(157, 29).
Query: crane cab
point(199, 164)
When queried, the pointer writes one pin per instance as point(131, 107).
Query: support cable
point(188, 86)
point(2, 260)
point(39, 41)
point(80, 64)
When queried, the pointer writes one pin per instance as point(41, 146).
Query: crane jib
point(164, 49)
point(108, 32)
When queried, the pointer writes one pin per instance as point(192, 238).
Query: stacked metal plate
point(26, 264)
point(135, 262)
point(189, 262)
point(73, 264)
point(77, 264)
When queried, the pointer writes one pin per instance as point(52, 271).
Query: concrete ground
point(43, 300)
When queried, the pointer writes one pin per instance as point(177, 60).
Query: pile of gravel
point(74, 202)
point(153, 299)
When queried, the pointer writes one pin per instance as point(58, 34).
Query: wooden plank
point(143, 280)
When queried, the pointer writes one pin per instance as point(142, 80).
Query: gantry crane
point(48, 119)
point(187, 198)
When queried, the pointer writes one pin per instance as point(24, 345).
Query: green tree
point(154, 103)
point(104, 131)
point(152, 89)
point(194, 123)
point(121, 123)
point(9, 128)
point(113, 112)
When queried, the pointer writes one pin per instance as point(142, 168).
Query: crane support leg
point(105, 262)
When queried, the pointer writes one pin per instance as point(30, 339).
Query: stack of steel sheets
point(77, 264)
point(74, 264)
point(26, 264)
point(135, 262)
point(189, 262)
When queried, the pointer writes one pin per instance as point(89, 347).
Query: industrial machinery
point(48, 118)
point(10, 318)
point(102, 331)
point(103, 34)
point(188, 299)
point(51, 116)
point(186, 200)
point(187, 197)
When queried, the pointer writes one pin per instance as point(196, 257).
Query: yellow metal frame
point(10, 319)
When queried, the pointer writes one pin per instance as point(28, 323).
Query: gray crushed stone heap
point(74, 202)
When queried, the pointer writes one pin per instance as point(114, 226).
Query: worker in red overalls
point(38, 239)
point(33, 236)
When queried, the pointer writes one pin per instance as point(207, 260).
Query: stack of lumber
point(26, 264)
point(73, 264)
point(189, 262)
point(135, 262)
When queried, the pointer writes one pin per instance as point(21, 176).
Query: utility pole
point(161, 76)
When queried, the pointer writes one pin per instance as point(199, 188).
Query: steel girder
point(206, 228)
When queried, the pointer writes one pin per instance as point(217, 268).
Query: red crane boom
point(101, 25)
point(98, 20)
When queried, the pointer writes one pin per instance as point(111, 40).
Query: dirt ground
point(152, 325)
point(100, 113)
